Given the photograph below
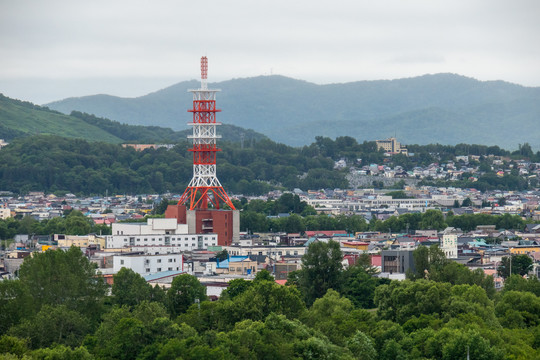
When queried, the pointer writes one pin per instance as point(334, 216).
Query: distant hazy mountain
point(441, 108)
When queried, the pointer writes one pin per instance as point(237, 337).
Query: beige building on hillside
point(391, 145)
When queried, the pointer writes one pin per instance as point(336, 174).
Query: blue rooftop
point(225, 263)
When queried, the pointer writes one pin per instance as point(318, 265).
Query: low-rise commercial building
point(145, 264)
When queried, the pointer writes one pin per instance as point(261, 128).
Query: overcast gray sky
point(54, 49)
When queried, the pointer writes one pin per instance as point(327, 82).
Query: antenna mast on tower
point(204, 187)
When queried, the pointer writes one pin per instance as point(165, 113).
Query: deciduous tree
point(184, 290)
point(321, 270)
point(129, 288)
point(57, 277)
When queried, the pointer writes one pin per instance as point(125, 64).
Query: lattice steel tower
point(204, 187)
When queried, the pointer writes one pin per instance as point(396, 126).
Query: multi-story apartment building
point(158, 232)
point(391, 145)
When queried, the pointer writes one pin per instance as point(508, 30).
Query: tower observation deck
point(204, 187)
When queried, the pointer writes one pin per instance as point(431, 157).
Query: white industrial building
point(158, 233)
point(152, 226)
point(145, 264)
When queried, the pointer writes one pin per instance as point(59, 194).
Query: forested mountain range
point(21, 118)
point(441, 108)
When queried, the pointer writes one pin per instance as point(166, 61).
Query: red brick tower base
point(224, 223)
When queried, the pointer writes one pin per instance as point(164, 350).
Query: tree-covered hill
point(52, 163)
point(20, 118)
point(442, 108)
point(155, 134)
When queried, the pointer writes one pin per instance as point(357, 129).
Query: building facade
point(145, 264)
point(449, 245)
point(159, 232)
point(4, 213)
point(397, 261)
point(391, 145)
point(224, 223)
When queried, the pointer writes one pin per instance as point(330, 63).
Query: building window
point(158, 269)
point(159, 260)
point(121, 262)
point(170, 260)
point(147, 270)
point(170, 268)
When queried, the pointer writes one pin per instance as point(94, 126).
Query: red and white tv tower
point(204, 187)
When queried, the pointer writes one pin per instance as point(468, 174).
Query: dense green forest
point(50, 163)
point(58, 309)
point(56, 164)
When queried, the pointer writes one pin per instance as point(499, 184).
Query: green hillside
point(155, 134)
point(442, 108)
point(18, 118)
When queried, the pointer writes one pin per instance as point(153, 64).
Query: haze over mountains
point(441, 108)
